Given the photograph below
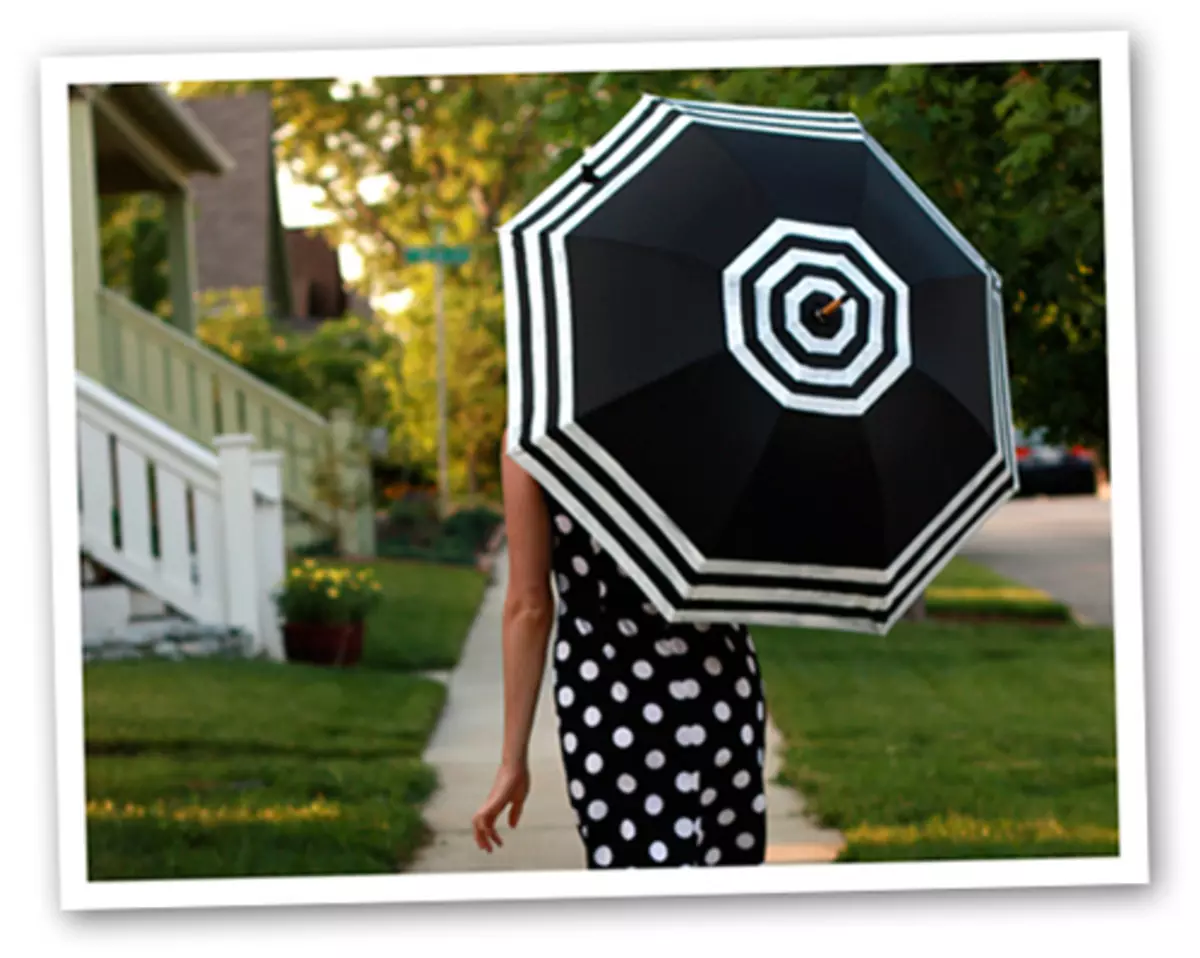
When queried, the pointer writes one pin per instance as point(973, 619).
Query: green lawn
point(965, 589)
point(948, 740)
point(227, 768)
point(425, 616)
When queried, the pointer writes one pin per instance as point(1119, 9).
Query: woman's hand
point(510, 788)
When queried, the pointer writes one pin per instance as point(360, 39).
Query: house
point(192, 471)
point(241, 242)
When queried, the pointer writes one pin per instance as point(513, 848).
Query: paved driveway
point(1061, 545)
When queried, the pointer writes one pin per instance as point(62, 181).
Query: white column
point(239, 559)
point(85, 239)
point(267, 475)
point(181, 253)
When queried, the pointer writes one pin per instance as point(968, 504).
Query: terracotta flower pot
point(322, 643)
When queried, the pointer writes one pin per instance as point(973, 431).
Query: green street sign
point(456, 255)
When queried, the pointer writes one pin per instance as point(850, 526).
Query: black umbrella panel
point(758, 365)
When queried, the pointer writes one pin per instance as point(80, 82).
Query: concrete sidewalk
point(465, 749)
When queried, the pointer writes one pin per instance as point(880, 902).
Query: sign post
point(440, 255)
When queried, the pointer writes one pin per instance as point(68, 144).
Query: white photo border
point(1131, 866)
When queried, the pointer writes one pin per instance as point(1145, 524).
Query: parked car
point(1047, 470)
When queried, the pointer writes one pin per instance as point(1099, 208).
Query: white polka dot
point(712, 665)
point(622, 737)
point(649, 608)
point(745, 840)
point(758, 710)
point(723, 757)
point(627, 627)
point(691, 688)
point(759, 803)
point(564, 523)
point(609, 651)
point(589, 670)
point(683, 735)
point(703, 626)
point(592, 716)
point(741, 779)
point(570, 743)
point(708, 796)
point(698, 735)
point(561, 651)
point(678, 690)
point(664, 647)
point(684, 827)
point(743, 687)
point(583, 627)
point(750, 664)
point(652, 713)
point(679, 646)
point(654, 804)
point(628, 830)
point(602, 588)
point(732, 647)
point(627, 783)
point(642, 669)
point(622, 573)
point(597, 810)
point(685, 782)
point(562, 606)
point(658, 851)
point(712, 856)
point(592, 541)
point(593, 763)
point(655, 759)
point(579, 564)
point(563, 583)
point(722, 711)
point(747, 734)
point(603, 856)
point(577, 788)
point(726, 817)
point(760, 758)
point(620, 691)
point(566, 695)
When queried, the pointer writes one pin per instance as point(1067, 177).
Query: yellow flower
point(310, 563)
point(332, 593)
point(376, 586)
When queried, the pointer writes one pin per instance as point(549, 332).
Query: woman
point(660, 726)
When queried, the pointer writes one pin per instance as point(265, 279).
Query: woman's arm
point(528, 605)
point(525, 632)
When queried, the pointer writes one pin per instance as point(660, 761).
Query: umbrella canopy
point(757, 365)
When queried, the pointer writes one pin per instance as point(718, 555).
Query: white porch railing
point(201, 531)
point(202, 395)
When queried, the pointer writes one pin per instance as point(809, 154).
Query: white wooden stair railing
point(203, 395)
point(202, 531)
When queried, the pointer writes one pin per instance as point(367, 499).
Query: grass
point(425, 616)
point(228, 768)
point(965, 590)
point(225, 768)
point(946, 740)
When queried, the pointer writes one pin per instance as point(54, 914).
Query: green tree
point(133, 250)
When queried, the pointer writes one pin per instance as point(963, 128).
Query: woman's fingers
point(514, 811)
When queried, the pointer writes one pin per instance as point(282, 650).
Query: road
point(1061, 545)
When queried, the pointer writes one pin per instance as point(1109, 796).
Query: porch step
point(166, 638)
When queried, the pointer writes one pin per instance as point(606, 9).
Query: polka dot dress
point(661, 726)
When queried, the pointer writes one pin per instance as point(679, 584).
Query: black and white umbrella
point(757, 365)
